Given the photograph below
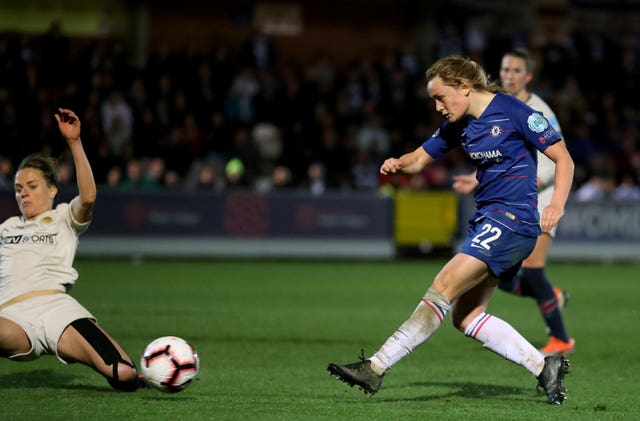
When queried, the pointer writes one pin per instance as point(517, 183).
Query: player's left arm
point(559, 154)
point(81, 205)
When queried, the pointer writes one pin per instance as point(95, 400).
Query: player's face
point(452, 103)
point(514, 75)
point(33, 195)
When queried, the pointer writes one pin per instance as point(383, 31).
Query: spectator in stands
point(65, 173)
point(259, 52)
point(280, 179)
point(133, 175)
point(365, 171)
point(114, 177)
point(247, 154)
point(154, 173)
point(316, 179)
point(6, 174)
point(239, 105)
point(117, 121)
point(372, 136)
point(598, 187)
point(206, 178)
point(235, 177)
point(628, 189)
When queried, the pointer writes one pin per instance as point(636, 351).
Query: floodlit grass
point(265, 332)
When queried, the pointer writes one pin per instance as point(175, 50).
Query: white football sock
point(504, 340)
point(425, 320)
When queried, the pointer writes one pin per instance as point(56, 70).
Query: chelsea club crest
point(495, 131)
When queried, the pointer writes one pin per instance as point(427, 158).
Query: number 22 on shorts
point(488, 234)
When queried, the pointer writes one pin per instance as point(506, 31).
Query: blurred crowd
point(247, 117)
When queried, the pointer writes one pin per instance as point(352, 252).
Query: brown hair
point(454, 70)
point(46, 164)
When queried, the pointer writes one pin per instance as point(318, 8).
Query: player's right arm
point(81, 205)
point(409, 163)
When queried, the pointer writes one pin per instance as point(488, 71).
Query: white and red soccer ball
point(169, 364)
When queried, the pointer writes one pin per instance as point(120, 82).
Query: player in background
point(37, 249)
point(516, 71)
point(500, 134)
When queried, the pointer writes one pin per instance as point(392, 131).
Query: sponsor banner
point(600, 221)
point(425, 218)
point(236, 215)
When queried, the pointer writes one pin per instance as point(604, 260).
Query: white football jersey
point(38, 255)
point(546, 167)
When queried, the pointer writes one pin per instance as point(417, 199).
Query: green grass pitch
point(265, 331)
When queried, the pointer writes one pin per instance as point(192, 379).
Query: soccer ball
point(169, 364)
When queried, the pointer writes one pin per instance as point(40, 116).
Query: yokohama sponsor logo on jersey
point(485, 154)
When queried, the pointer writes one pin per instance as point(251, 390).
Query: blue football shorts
point(502, 249)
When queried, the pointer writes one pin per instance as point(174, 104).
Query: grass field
point(265, 332)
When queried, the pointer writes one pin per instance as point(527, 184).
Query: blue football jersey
point(502, 145)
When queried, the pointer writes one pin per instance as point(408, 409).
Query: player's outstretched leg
point(500, 337)
point(424, 321)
